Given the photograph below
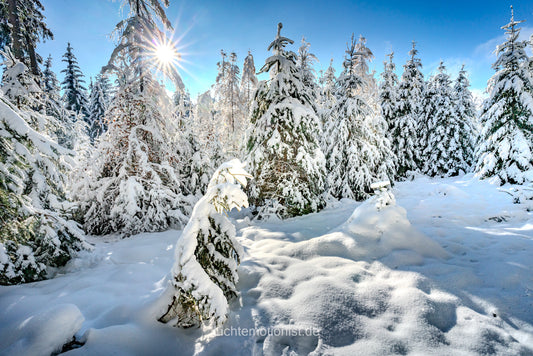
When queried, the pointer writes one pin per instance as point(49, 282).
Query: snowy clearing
point(448, 270)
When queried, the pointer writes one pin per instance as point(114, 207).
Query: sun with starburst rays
point(167, 56)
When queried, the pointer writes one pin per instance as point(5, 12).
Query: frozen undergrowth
point(455, 278)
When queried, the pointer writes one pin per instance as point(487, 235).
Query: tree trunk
point(14, 21)
point(33, 58)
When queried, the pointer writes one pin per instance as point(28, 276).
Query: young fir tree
point(405, 127)
point(22, 27)
point(465, 112)
point(35, 227)
point(97, 108)
point(134, 181)
point(507, 135)
point(388, 93)
point(357, 152)
point(443, 154)
point(204, 275)
point(248, 83)
point(74, 93)
point(283, 149)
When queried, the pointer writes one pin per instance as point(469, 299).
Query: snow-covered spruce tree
point(50, 84)
point(465, 112)
point(65, 128)
point(507, 115)
point(41, 110)
point(35, 227)
point(326, 99)
point(22, 26)
point(383, 165)
point(206, 129)
point(283, 149)
point(195, 166)
point(96, 109)
point(182, 104)
point(357, 152)
point(19, 84)
point(443, 155)
point(405, 127)
point(248, 83)
point(388, 93)
point(369, 90)
point(228, 103)
point(134, 185)
point(304, 63)
point(204, 275)
point(328, 83)
point(74, 93)
point(429, 107)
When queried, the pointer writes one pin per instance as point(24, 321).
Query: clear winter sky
point(455, 31)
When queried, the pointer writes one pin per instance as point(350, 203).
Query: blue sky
point(454, 31)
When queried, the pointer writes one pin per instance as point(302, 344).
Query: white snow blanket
point(447, 270)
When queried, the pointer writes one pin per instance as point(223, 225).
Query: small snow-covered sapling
point(204, 275)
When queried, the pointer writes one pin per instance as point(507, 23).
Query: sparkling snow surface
point(448, 270)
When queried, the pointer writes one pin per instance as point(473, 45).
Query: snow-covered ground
point(447, 270)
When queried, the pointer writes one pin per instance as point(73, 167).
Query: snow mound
point(43, 333)
point(379, 231)
point(372, 231)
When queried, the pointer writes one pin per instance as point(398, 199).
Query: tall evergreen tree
point(22, 27)
point(443, 154)
point(507, 115)
point(64, 121)
point(133, 183)
point(36, 230)
point(362, 57)
point(182, 104)
point(305, 62)
point(50, 84)
point(328, 82)
point(137, 33)
point(357, 152)
point(74, 93)
point(248, 82)
point(97, 108)
point(228, 103)
point(283, 149)
point(195, 166)
point(384, 167)
point(405, 128)
point(465, 111)
point(327, 98)
point(388, 93)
